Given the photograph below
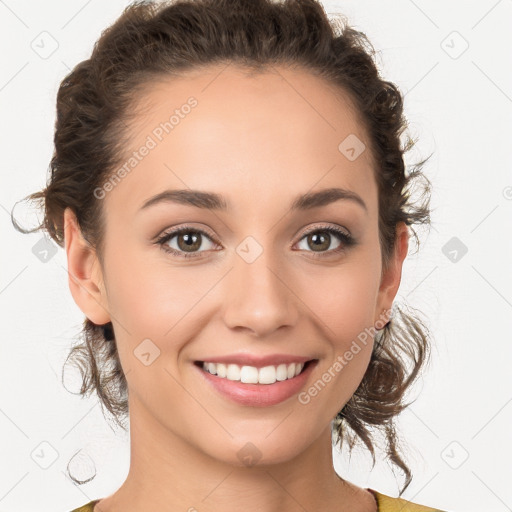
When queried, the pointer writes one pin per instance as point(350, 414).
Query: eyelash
point(347, 240)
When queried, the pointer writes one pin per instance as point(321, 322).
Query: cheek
point(343, 299)
point(155, 303)
point(149, 299)
point(343, 303)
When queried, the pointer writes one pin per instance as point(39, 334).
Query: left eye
point(317, 238)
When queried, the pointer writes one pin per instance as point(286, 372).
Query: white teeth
point(282, 372)
point(249, 375)
point(267, 375)
point(253, 375)
point(232, 372)
point(221, 370)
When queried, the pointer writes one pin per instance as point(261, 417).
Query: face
point(267, 274)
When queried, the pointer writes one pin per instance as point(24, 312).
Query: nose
point(259, 297)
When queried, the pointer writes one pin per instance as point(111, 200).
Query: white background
point(460, 108)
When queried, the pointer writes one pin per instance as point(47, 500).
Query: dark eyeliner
point(166, 236)
point(345, 238)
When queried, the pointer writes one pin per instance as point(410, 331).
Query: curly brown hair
point(152, 40)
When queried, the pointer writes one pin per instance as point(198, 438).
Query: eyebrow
point(213, 201)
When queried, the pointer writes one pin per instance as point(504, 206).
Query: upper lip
point(258, 361)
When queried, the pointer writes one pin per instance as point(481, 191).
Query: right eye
point(188, 240)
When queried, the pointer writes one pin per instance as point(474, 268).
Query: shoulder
point(385, 504)
point(88, 507)
point(390, 504)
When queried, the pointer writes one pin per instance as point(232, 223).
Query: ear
point(84, 271)
point(392, 276)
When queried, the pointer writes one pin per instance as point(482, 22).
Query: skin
point(259, 141)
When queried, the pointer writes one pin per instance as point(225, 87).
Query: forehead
point(220, 126)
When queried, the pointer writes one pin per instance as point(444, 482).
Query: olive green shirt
point(384, 504)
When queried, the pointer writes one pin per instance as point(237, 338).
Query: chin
point(257, 451)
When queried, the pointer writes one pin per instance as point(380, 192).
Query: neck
point(167, 473)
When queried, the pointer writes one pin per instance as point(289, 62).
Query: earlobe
point(392, 276)
point(84, 272)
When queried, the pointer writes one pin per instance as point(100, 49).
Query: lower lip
point(258, 395)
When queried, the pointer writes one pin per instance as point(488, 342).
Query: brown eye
point(188, 240)
point(319, 240)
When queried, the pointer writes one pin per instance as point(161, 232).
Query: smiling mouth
point(268, 376)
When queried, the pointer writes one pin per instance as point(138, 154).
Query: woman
point(229, 186)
